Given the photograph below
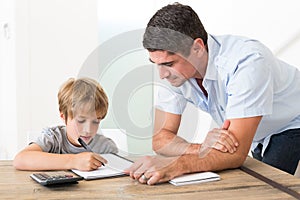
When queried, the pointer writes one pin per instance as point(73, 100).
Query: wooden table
point(234, 184)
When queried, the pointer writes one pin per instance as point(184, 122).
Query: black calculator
point(55, 177)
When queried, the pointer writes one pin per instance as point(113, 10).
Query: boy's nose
point(87, 128)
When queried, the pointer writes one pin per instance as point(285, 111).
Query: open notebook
point(115, 167)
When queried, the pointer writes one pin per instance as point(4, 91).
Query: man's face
point(173, 67)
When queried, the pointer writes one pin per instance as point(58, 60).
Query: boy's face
point(84, 125)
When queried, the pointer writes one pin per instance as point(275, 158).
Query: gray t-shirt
point(54, 140)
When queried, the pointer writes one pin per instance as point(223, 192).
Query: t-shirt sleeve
point(48, 141)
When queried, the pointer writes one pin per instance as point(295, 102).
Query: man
point(236, 80)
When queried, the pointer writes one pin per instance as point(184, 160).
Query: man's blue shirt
point(243, 79)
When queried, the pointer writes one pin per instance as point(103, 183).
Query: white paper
point(115, 167)
point(200, 177)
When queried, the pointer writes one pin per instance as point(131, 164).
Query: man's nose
point(163, 72)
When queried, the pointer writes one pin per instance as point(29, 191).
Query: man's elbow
point(239, 160)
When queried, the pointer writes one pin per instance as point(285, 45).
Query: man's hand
point(219, 139)
point(154, 169)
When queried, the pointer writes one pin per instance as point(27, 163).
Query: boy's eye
point(80, 121)
point(96, 122)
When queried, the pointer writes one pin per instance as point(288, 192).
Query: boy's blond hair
point(83, 93)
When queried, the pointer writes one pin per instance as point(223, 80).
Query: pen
point(87, 147)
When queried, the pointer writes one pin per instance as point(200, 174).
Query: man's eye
point(96, 122)
point(168, 64)
point(80, 121)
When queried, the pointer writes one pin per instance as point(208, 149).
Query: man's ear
point(198, 46)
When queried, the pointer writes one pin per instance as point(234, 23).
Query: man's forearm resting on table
point(214, 161)
point(244, 130)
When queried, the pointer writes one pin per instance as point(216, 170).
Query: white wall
point(8, 113)
point(50, 39)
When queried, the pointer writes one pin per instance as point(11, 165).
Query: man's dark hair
point(174, 28)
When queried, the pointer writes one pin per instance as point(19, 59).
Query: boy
point(82, 105)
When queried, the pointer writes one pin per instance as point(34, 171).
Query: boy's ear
point(62, 116)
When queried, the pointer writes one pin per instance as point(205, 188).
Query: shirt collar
point(213, 49)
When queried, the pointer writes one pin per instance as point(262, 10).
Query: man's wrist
point(185, 163)
point(193, 149)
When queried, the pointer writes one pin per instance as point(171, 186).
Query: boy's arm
point(33, 158)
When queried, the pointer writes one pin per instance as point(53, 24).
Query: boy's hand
point(87, 161)
point(219, 139)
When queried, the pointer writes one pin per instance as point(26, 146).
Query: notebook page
point(115, 167)
point(117, 163)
